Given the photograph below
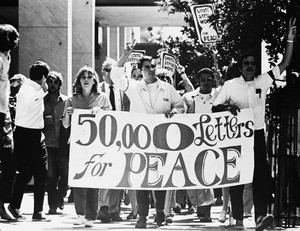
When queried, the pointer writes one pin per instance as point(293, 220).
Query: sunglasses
point(107, 70)
point(147, 67)
point(247, 63)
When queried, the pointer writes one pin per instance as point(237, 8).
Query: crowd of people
point(38, 144)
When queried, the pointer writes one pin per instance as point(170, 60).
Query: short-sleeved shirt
point(30, 105)
point(248, 95)
point(199, 103)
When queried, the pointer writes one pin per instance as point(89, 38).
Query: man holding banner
point(200, 101)
point(150, 96)
point(249, 91)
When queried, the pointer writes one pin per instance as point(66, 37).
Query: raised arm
point(126, 54)
point(117, 73)
point(289, 46)
point(187, 82)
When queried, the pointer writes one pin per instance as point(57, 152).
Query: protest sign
point(205, 31)
point(123, 150)
point(135, 56)
point(168, 62)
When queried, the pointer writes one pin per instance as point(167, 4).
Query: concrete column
point(128, 35)
point(105, 41)
point(83, 32)
point(44, 37)
point(122, 41)
point(114, 43)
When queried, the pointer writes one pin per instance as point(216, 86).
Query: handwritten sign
point(135, 56)
point(122, 150)
point(205, 31)
point(168, 62)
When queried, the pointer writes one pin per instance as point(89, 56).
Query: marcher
point(152, 96)
point(58, 160)
point(30, 151)
point(249, 91)
point(200, 101)
point(109, 199)
point(86, 96)
point(130, 194)
point(9, 38)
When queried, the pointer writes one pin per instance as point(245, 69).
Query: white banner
point(122, 150)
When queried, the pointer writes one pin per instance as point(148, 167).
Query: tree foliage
point(242, 26)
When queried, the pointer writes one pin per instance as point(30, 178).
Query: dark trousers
point(31, 160)
point(262, 176)
point(180, 197)
point(237, 204)
point(217, 192)
point(143, 201)
point(86, 202)
point(57, 178)
point(8, 173)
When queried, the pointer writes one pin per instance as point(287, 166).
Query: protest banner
point(168, 62)
point(123, 150)
point(205, 31)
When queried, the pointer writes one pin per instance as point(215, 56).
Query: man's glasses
point(107, 70)
point(247, 63)
point(147, 67)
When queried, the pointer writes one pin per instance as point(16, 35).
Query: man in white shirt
point(200, 101)
point(30, 149)
point(151, 96)
point(249, 91)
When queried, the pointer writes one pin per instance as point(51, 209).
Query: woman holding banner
point(86, 96)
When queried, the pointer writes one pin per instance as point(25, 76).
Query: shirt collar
point(197, 92)
point(160, 84)
point(60, 97)
point(34, 84)
point(245, 82)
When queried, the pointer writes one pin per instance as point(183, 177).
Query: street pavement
point(64, 221)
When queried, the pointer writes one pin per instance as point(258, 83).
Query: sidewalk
point(65, 221)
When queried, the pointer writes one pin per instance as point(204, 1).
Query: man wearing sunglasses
point(151, 96)
point(109, 199)
point(249, 91)
point(58, 156)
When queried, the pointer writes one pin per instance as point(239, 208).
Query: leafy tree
point(242, 25)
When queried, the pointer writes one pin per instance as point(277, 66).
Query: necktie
point(112, 97)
